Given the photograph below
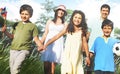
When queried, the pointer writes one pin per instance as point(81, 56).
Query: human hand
point(40, 48)
point(3, 28)
point(43, 47)
point(87, 61)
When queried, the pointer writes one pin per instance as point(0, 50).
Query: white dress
point(72, 58)
point(54, 50)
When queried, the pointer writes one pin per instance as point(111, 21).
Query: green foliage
point(48, 7)
point(1, 21)
point(57, 69)
point(117, 62)
point(117, 33)
point(4, 56)
point(32, 64)
point(117, 30)
point(9, 23)
point(69, 13)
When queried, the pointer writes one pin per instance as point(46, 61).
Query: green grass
point(32, 64)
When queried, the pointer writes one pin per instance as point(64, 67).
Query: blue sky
point(89, 7)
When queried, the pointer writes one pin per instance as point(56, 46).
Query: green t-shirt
point(23, 36)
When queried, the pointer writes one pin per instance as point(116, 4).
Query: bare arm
point(91, 54)
point(38, 42)
point(6, 32)
point(87, 38)
point(46, 31)
point(9, 34)
point(57, 36)
point(85, 45)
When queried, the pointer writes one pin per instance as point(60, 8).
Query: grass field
point(32, 64)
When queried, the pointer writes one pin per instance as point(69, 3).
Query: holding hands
point(42, 47)
point(87, 60)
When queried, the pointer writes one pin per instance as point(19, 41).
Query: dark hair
point(56, 14)
point(105, 6)
point(83, 23)
point(107, 22)
point(27, 8)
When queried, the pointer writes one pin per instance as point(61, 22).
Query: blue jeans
point(16, 59)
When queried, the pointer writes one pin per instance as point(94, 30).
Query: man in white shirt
point(95, 26)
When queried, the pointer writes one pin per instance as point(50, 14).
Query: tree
point(69, 13)
point(48, 7)
point(117, 33)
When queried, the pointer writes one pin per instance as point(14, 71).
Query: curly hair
point(83, 23)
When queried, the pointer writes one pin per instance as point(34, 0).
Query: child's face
point(77, 19)
point(107, 30)
point(25, 16)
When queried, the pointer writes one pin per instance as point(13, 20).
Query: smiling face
point(77, 18)
point(107, 30)
point(104, 13)
point(60, 12)
point(25, 16)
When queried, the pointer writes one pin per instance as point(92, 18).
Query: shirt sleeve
point(35, 31)
point(92, 49)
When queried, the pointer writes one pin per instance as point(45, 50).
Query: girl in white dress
point(52, 54)
point(72, 59)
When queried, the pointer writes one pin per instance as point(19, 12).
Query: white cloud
point(14, 6)
point(91, 8)
point(114, 15)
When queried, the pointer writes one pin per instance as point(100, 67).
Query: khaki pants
point(16, 59)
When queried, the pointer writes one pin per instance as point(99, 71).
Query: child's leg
point(47, 67)
point(18, 58)
point(11, 61)
point(53, 65)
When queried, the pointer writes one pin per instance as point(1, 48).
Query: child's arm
point(85, 45)
point(39, 43)
point(91, 54)
point(6, 32)
point(87, 38)
point(46, 31)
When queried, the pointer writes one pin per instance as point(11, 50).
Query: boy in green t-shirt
point(23, 35)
